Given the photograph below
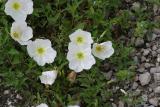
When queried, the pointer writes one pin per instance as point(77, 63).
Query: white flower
point(41, 51)
point(42, 105)
point(19, 9)
point(21, 33)
point(81, 38)
point(73, 106)
point(103, 50)
point(80, 58)
point(48, 77)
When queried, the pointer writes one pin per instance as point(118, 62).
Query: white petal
point(31, 49)
point(76, 66)
point(25, 42)
point(73, 47)
point(73, 106)
point(42, 105)
point(89, 62)
point(50, 55)
point(43, 42)
point(29, 6)
point(27, 34)
point(40, 60)
point(108, 44)
point(109, 53)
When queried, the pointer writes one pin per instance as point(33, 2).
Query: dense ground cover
point(114, 20)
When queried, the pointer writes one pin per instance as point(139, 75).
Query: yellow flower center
point(100, 48)
point(80, 40)
point(80, 55)
point(40, 51)
point(16, 6)
point(16, 35)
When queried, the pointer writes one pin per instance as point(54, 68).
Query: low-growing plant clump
point(74, 53)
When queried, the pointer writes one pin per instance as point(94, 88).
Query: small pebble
point(157, 90)
point(144, 78)
point(153, 101)
point(6, 92)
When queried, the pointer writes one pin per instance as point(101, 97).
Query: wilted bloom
point(80, 58)
point(103, 50)
point(42, 105)
point(48, 77)
point(41, 51)
point(81, 38)
point(19, 9)
point(21, 33)
point(73, 106)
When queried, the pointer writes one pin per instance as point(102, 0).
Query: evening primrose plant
point(79, 55)
point(55, 22)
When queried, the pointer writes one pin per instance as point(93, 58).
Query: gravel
point(144, 78)
point(153, 101)
point(139, 42)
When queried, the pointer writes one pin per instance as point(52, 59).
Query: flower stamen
point(79, 40)
point(40, 51)
point(80, 55)
point(16, 6)
point(100, 48)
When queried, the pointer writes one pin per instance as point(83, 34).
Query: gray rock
point(114, 105)
point(156, 31)
point(157, 78)
point(137, 92)
point(136, 59)
point(153, 101)
point(139, 42)
point(142, 69)
point(145, 97)
point(158, 58)
point(157, 90)
point(158, 50)
point(154, 36)
point(154, 48)
point(153, 70)
point(151, 106)
point(147, 65)
point(146, 52)
point(135, 85)
point(143, 59)
point(19, 97)
point(154, 53)
point(151, 95)
point(121, 104)
point(150, 89)
point(148, 45)
point(6, 92)
point(144, 78)
point(153, 85)
point(135, 6)
point(108, 75)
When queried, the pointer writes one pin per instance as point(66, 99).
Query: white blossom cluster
point(80, 53)
point(41, 49)
point(80, 49)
